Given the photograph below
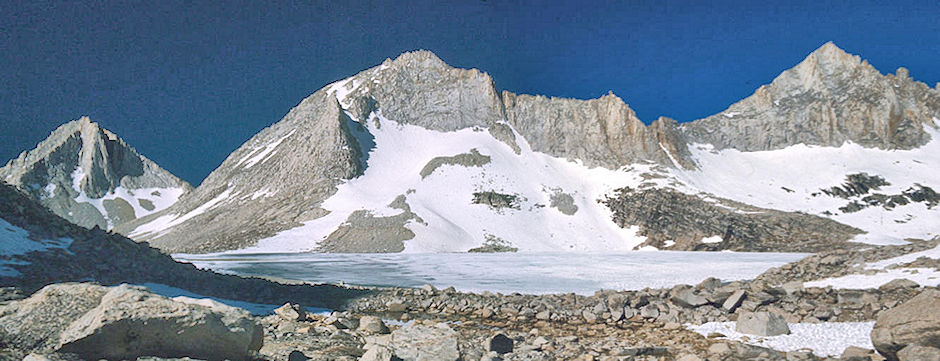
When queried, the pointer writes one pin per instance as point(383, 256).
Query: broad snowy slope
point(416, 156)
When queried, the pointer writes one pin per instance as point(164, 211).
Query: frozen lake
point(533, 273)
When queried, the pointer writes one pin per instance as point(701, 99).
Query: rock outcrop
point(830, 98)
point(913, 323)
point(600, 132)
point(677, 221)
point(96, 322)
point(88, 175)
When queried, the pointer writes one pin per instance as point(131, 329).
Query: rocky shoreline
point(633, 325)
point(649, 324)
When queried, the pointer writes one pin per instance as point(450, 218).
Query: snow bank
point(160, 198)
point(887, 271)
point(923, 276)
point(825, 339)
point(791, 179)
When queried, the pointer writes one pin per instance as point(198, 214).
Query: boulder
point(127, 322)
point(544, 315)
point(417, 342)
point(686, 297)
point(397, 307)
point(297, 356)
point(855, 352)
point(377, 353)
point(649, 311)
point(761, 324)
point(899, 283)
point(792, 287)
point(918, 353)
point(291, 312)
point(916, 321)
point(372, 325)
point(719, 349)
point(499, 343)
point(734, 301)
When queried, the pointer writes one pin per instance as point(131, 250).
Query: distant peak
point(82, 123)
point(829, 54)
point(829, 48)
point(421, 58)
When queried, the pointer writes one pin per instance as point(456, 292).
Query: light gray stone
point(918, 353)
point(372, 325)
point(734, 300)
point(418, 342)
point(291, 312)
point(761, 324)
point(127, 322)
point(377, 353)
point(916, 321)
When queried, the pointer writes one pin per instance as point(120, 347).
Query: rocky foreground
point(85, 321)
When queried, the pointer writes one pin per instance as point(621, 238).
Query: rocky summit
point(89, 176)
point(396, 158)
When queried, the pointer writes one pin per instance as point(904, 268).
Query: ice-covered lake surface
point(528, 273)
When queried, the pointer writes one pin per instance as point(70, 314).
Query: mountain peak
point(420, 58)
point(827, 61)
point(88, 175)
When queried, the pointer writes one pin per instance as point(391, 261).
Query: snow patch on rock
point(15, 241)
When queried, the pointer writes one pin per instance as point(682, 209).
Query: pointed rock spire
point(91, 177)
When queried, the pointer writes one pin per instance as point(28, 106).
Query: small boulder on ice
point(762, 324)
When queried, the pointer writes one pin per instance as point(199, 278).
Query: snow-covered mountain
point(89, 176)
point(416, 156)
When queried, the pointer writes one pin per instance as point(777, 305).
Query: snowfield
point(160, 198)
point(825, 339)
point(886, 271)
point(791, 179)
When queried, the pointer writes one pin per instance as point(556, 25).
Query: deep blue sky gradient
point(187, 82)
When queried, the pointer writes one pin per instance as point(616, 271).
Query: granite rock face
point(273, 182)
point(600, 132)
point(830, 98)
point(677, 221)
point(88, 175)
point(125, 322)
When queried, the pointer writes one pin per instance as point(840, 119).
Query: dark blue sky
point(187, 82)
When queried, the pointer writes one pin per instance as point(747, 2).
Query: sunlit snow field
point(530, 273)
